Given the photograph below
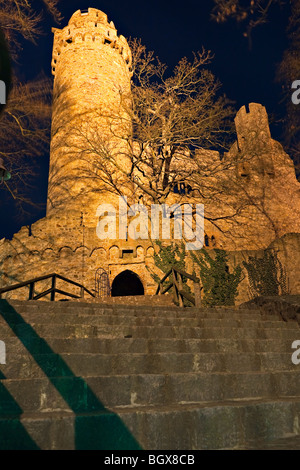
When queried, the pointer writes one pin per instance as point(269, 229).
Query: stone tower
point(254, 139)
point(91, 65)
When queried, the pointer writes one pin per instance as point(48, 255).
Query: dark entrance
point(127, 283)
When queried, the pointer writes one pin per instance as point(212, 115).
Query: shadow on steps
point(95, 427)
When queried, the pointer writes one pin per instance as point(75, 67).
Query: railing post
point(82, 292)
point(53, 286)
point(31, 290)
point(180, 288)
point(197, 293)
point(175, 295)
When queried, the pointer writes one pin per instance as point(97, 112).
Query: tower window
point(127, 253)
point(244, 170)
point(182, 188)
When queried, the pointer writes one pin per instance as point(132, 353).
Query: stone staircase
point(99, 376)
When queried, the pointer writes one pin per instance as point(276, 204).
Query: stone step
point(92, 393)
point(249, 424)
point(100, 430)
point(135, 300)
point(143, 346)
point(81, 331)
point(105, 320)
point(81, 375)
point(126, 310)
point(84, 365)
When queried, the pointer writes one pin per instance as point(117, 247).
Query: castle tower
point(91, 65)
point(254, 138)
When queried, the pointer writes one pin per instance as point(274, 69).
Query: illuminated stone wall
point(258, 203)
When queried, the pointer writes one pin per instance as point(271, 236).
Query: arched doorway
point(127, 283)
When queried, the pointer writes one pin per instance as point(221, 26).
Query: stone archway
point(127, 283)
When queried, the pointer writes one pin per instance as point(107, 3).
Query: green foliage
point(219, 285)
point(165, 257)
point(266, 275)
point(168, 256)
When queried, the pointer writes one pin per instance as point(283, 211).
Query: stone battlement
point(252, 126)
point(90, 27)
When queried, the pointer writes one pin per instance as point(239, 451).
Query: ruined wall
point(64, 245)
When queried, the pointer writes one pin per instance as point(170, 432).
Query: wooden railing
point(179, 293)
point(52, 290)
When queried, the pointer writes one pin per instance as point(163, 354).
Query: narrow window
point(127, 253)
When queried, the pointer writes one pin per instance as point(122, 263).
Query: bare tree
point(157, 145)
point(25, 121)
point(249, 15)
point(24, 134)
point(168, 118)
point(19, 20)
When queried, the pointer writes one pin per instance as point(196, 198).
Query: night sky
point(173, 30)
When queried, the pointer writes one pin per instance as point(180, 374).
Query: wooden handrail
point(189, 276)
point(179, 292)
point(52, 290)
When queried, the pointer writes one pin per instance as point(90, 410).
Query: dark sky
point(173, 30)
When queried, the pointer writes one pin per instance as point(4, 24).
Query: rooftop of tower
point(80, 16)
point(89, 26)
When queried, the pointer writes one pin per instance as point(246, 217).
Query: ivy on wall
point(220, 287)
point(266, 275)
point(167, 256)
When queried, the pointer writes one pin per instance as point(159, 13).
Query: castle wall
point(251, 196)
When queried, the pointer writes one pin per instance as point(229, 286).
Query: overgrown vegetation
point(166, 257)
point(266, 275)
point(220, 287)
